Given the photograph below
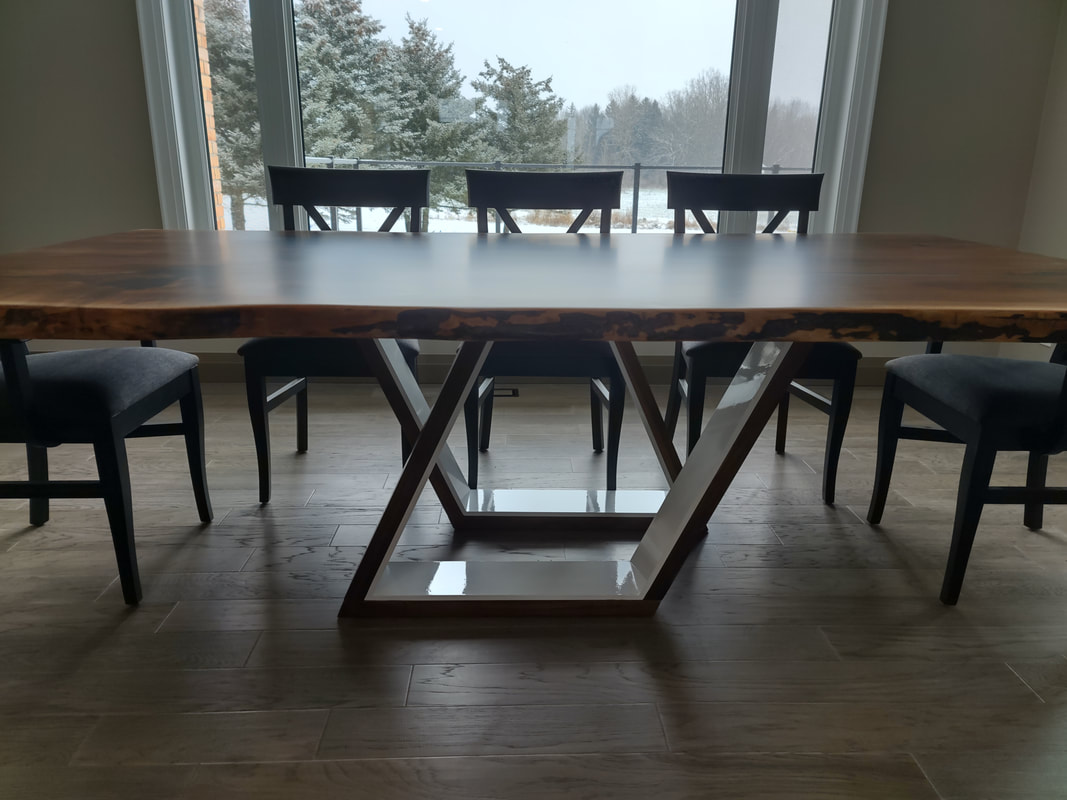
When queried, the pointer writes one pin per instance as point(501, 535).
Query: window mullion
point(278, 89)
point(847, 111)
point(175, 114)
point(750, 91)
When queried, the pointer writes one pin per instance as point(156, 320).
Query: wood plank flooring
point(801, 654)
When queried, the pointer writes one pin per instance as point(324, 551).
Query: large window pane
point(552, 83)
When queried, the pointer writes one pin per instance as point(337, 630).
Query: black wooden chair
point(987, 404)
point(99, 397)
point(589, 192)
point(300, 359)
point(696, 362)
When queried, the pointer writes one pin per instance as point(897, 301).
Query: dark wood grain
point(194, 284)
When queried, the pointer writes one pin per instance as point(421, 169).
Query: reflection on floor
point(802, 654)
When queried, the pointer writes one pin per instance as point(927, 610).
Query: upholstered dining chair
point(99, 397)
point(299, 358)
point(696, 362)
point(987, 404)
point(587, 192)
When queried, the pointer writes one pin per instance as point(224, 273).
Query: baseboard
point(227, 368)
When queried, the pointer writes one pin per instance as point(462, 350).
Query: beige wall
point(1045, 223)
point(75, 147)
point(956, 120)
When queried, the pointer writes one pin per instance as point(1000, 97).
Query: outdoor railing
point(636, 169)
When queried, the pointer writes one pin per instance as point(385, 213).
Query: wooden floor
point(802, 654)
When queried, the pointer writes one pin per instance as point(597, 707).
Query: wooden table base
point(672, 522)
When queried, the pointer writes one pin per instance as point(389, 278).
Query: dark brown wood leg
point(37, 467)
point(256, 389)
point(302, 419)
point(974, 480)
point(596, 418)
point(888, 429)
point(192, 408)
point(470, 421)
point(1034, 511)
point(840, 407)
point(616, 407)
point(114, 471)
point(694, 406)
point(674, 392)
point(782, 427)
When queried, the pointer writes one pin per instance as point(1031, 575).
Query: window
point(350, 84)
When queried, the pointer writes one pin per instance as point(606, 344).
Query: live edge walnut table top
point(197, 284)
point(783, 292)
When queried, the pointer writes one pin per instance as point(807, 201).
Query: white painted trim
point(278, 90)
point(853, 60)
point(755, 29)
point(176, 114)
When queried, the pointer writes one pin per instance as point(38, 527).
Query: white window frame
point(168, 45)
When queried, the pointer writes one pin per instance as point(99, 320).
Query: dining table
point(781, 292)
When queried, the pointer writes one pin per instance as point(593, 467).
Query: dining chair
point(587, 192)
point(987, 404)
point(303, 358)
point(697, 362)
point(99, 397)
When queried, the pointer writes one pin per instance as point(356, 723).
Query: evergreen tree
point(438, 122)
point(522, 115)
point(233, 89)
point(340, 60)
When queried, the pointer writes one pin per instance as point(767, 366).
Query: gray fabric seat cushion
point(88, 387)
point(314, 358)
point(826, 360)
point(1002, 392)
point(577, 359)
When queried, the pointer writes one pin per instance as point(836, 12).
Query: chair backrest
point(398, 189)
point(501, 191)
point(700, 191)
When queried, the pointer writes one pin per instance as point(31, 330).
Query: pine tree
point(522, 115)
point(340, 60)
point(438, 122)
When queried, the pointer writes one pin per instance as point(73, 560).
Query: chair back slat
point(584, 191)
point(781, 194)
point(396, 189)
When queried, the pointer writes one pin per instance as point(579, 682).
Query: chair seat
point(826, 359)
point(88, 387)
point(1002, 393)
point(314, 357)
point(573, 359)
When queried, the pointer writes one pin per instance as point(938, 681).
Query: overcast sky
point(590, 47)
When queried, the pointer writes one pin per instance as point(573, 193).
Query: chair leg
point(302, 419)
point(596, 417)
point(694, 407)
point(674, 391)
point(616, 406)
point(840, 407)
point(256, 389)
point(192, 408)
point(485, 416)
point(114, 472)
point(888, 429)
point(1034, 512)
point(974, 480)
point(37, 467)
point(470, 419)
point(783, 424)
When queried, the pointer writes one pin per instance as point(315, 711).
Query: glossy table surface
point(191, 284)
